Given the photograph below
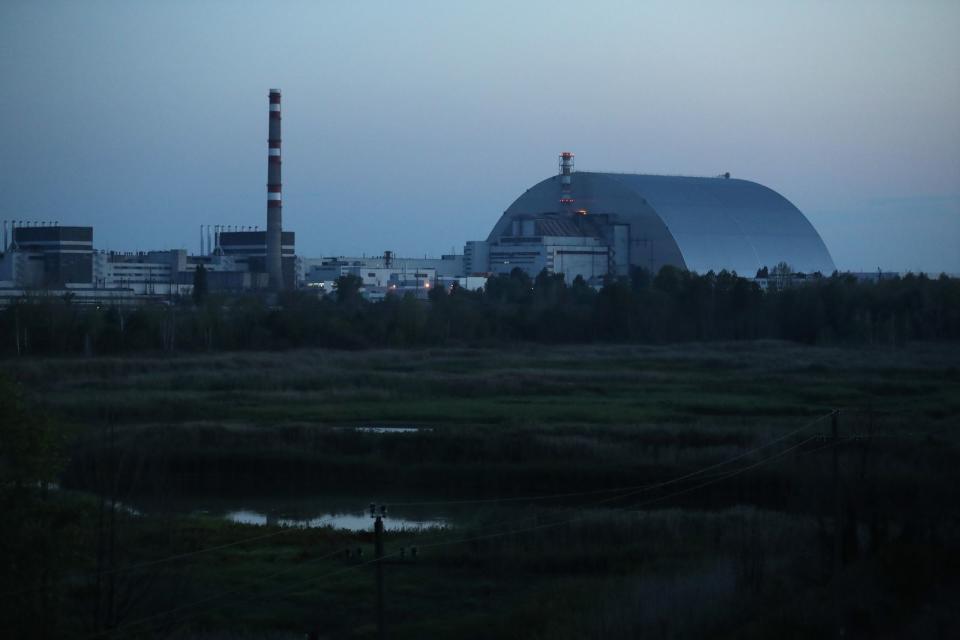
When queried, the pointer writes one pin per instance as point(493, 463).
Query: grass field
point(749, 555)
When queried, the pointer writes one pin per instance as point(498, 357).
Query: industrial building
point(170, 273)
point(249, 249)
point(143, 273)
point(47, 255)
point(318, 270)
point(575, 223)
point(47, 261)
point(387, 274)
point(41, 260)
point(594, 224)
point(451, 265)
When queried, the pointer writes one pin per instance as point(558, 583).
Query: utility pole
point(837, 524)
point(100, 475)
point(16, 322)
point(112, 545)
point(378, 554)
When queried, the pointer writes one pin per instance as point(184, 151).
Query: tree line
point(671, 306)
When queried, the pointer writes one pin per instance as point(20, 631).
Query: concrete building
point(171, 273)
point(249, 251)
point(377, 279)
point(388, 275)
point(576, 223)
point(48, 256)
point(382, 271)
point(142, 273)
point(446, 265)
point(595, 224)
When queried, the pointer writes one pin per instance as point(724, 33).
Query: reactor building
point(597, 224)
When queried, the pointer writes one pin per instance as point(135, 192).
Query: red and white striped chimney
point(566, 169)
point(274, 196)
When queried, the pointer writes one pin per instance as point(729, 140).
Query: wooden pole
point(378, 535)
point(837, 524)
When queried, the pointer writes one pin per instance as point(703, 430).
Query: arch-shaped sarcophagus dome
point(700, 224)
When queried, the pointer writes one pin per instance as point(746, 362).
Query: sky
point(411, 126)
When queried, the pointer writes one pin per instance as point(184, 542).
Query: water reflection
point(340, 511)
point(351, 521)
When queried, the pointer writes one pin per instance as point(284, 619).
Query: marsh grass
point(746, 557)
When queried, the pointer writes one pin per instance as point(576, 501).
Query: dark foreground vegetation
point(673, 306)
point(699, 497)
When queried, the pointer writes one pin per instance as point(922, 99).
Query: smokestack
point(566, 168)
point(274, 197)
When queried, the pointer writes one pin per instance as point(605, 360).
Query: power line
point(286, 530)
point(172, 558)
point(190, 554)
point(613, 489)
point(718, 478)
point(823, 446)
point(631, 507)
point(255, 596)
point(205, 600)
point(630, 491)
point(429, 545)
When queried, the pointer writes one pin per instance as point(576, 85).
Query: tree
point(411, 319)
point(549, 290)
point(582, 293)
point(200, 287)
point(348, 289)
point(613, 312)
point(640, 279)
point(670, 280)
point(37, 534)
point(29, 448)
point(515, 288)
point(781, 274)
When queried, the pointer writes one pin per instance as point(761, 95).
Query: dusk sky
point(411, 126)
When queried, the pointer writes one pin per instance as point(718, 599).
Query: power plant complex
point(579, 224)
point(598, 224)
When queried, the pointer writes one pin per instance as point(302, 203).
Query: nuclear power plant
point(577, 223)
point(598, 224)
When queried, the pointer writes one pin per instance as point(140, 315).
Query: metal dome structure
point(592, 224)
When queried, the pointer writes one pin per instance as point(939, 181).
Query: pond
point(337, 511)
point(353, 521)
point(390, 429)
